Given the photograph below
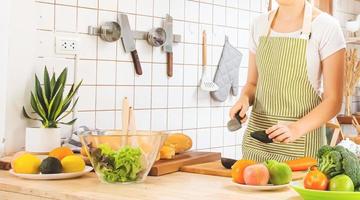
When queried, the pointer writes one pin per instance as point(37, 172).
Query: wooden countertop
point(176, 186)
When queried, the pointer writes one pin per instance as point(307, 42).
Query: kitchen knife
point(129, 42)
point(235, 124)
point(168, 26)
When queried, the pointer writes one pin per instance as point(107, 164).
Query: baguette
point(180, 141)
point(167, 152)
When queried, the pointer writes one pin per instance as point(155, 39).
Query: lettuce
point(122, 165)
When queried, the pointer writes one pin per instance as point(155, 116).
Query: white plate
point(52, 176)
point(268, 187)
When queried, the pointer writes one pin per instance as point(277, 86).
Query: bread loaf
point(180, 141)
point(167, 152)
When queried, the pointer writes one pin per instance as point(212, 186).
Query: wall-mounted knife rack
point(159, 37)
point(139, 35)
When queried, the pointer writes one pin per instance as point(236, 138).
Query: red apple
point(256, 175)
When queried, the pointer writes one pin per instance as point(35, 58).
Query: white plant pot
point(42, 140)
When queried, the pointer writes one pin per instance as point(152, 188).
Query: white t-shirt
point(326, 39)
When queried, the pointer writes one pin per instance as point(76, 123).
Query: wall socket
point(67, 45)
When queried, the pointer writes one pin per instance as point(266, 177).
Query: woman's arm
point(247, 95)
point(333, 73)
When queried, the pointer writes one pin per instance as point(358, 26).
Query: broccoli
point(323, 150)
point(339, 160)
point(350, 164)
point(330, 163)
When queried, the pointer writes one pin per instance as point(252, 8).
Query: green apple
point(280, 173)
point(341, 183)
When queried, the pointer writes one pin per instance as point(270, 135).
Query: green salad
point(123, 165)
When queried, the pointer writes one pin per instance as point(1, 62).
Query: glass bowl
point(122, 158)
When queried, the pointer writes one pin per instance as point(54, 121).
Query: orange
point(237, 170)
point(61, 152)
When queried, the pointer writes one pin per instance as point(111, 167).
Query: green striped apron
point(283, 93)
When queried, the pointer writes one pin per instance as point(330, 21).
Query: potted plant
point(52, 106)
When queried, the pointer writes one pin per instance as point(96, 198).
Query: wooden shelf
point(346, 119)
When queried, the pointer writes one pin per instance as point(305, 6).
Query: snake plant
point(48, 101)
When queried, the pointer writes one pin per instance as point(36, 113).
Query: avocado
point(227, 162)
point(50, 165)
point(261, 136)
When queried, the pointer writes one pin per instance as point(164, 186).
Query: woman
point(293, 50)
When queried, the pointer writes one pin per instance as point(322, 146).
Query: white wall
point(19, 70)
point(4, 35)
point(160, 103)
point(175, 104)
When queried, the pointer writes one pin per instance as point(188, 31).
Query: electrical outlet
point(67, 45)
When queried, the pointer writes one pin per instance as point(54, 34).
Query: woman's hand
point(284, 133)
point(241, 105)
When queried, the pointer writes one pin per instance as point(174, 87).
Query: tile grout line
point(116, 69)
point(151, 65)
point(167, 87)
point(134, 75)
point(97, 66)
point(183, 81)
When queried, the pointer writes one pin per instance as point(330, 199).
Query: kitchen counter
point(176, 186)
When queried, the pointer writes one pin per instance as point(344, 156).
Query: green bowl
point(307, 194)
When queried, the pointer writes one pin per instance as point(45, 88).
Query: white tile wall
point(175, 104)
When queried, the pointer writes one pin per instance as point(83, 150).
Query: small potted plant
point(52, 106)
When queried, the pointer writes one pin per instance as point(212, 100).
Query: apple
point(257, 174)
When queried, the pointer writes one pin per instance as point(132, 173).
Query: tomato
point(316, 180)
point(237, 170)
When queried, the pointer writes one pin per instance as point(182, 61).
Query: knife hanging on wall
point(128, 41)
point(168, 26)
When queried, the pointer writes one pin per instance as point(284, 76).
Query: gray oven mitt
point(227, 74)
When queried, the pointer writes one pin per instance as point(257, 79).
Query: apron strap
point(306, 27)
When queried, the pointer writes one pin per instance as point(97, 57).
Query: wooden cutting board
point(5, 163)
point(162, 167)
point(211, 168)
point(216, 169)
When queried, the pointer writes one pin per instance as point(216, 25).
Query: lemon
point(27, 164)
point(17, 155)
point(73, 163)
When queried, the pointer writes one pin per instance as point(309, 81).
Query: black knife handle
point(136, 61)
point(238, 117)
point(169, 58)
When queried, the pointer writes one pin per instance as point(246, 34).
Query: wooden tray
point(216, 169)
point(162, 167)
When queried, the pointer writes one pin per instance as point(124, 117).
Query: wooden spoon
point(132, 124)
point(125, 116)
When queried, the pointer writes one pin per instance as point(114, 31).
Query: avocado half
point(228, 162)
point(50, 165)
